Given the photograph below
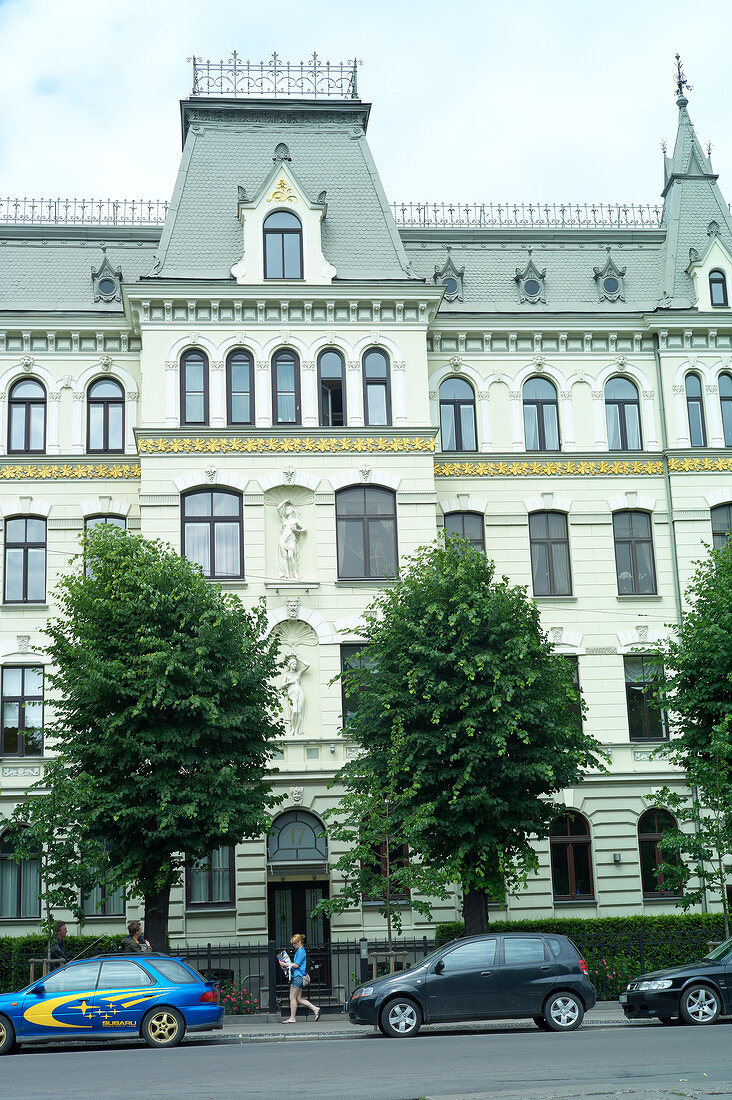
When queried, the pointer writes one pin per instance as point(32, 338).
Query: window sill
point(670, 898)
point(648, 742)
point(226, 584)
point(366, 582)
point(575, 903)
point(639, 596)
point(210, 907)
point(23, 605)
point(396, 903)
point(564, 599)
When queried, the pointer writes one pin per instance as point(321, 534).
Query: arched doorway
point(297, 866)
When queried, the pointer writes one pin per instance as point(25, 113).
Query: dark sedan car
point(510, 976)
point(697, 993)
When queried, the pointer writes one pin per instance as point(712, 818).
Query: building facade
point(297, 385)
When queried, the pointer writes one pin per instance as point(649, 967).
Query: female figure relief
point(289, 550)
point(294, 695)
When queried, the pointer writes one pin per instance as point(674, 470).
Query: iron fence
point(29, 211)
point(497, 215)
point(313, 78)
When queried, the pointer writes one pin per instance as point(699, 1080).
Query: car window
point(122, 974)
point(176, 972)
point(555, 945)
point(523, 949)
point(471, 956)
point(79, 976)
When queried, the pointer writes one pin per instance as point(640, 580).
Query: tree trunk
point(156, 918)
point(475, 911)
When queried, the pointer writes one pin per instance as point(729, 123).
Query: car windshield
point(719, 953)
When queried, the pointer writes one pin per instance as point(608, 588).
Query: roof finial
point(682, 84)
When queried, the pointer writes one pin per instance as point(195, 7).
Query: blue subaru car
point(112, 997)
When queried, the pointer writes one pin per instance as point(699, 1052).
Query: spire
point(689, 159)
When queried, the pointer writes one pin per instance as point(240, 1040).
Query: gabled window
point(651, 827)
point(239, 388)
point(541, 415)
point(725, 400)
point(366, 533)
point(646, 721)
point(22, 705)
point(376, 388)
point(27, 418)
point(20, 885)
point(695, 410)
point(105, 417)
point(193, 388)
point(549, 544)
point(285, 387)
point(622, 411)
point(331, 389)
point(721, 525)
point(282, 233)
point(212, 532)
point(718, 288)
point(210, 882)
point(457, 415)
point(634, 562)
point(469, 525)
point(571, 858)
point(25, 559)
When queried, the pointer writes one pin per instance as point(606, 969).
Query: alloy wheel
point(701, 1004)
point(163, 1027)
point(564, 1011)
point(3, 1033)
point(403, 1017)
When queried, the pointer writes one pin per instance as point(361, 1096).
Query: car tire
point(541, 1023)
point(563, 1011)
point(400, 1018)
point(7, 1036)
point(163, 1027)
point(699, 1005)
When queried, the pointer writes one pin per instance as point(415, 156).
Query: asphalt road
point(644, 1062)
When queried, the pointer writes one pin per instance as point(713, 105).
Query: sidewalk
point(266, 1028)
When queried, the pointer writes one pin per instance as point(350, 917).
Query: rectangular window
point(22, 712)
point(549, 545)
point(646, 722)
point(210, 882)
point(634, 563)
point(575, 709)
point(25, 560)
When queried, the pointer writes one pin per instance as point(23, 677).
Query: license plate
point(623, 998)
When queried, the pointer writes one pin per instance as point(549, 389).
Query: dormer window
point(718, 288)
point(107, 282)
point(531, 282)
point(451, 277)
point(282, 246)
point(610, 281)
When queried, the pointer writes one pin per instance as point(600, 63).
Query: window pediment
point(610, 281)
point(531, 282)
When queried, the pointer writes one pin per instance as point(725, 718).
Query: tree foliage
point(462, 687)
point(164, 707)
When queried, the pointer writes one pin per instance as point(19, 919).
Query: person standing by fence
point(58, 951)
point(299, 977)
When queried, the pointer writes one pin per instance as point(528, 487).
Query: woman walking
point(297, 976)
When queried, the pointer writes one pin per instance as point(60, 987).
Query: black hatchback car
point(510, 976)
point(697, 993)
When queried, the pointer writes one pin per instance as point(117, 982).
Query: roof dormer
point(711, 272)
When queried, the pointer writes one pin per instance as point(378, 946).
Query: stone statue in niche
point(294, 695)
point(289, 549)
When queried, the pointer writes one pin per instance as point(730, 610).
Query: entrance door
point(290, 908)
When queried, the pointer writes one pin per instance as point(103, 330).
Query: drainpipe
point(674, 550)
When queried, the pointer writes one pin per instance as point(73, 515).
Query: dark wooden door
point(290, 908)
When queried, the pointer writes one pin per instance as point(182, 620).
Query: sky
point(472, 101)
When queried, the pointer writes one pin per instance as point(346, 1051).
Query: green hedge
point(16, 951)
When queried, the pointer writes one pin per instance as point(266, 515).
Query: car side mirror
point(439, 966)
point(39, 990)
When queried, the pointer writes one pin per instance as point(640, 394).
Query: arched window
point(105, 417)
point(695, 409)
point(25, 559)
point(239, 388)
point(549, 545)
point(469, 525)
point(331, 389)
point(20, 884)
point(571, 857)
point(541, 415)
point(282, 246)
point(721, 525)
point(285, 387)
point(725, 400)
point(376, 388)
point(210, 882)
point(651, 826)
point(212, 532)
point(21, 733)
point(622, 411)
point(296, 838)
point(636, 570)
point(718, 288)
point(27, 418)
point(366, 533)
point(193, 388)
point(457, 415)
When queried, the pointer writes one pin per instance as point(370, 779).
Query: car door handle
point(486, 973)
point(544, 968)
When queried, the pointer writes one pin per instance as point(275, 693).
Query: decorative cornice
point(698, 465)
point(283, 445)
point(48, 472)
point(550, 469)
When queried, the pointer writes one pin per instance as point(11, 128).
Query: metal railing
point(25, 211)
point(311, 79)
point(506, 215)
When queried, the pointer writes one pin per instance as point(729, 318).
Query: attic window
point(282, 246)
point(610, 285)
point(106, 282)
point(610, 281)
point(718, 288)
point(451, 278)
point(532, 288)
point(531, 282)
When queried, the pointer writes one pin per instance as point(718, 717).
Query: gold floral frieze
point(701, 465)
point(285, 445)
point(549, 469)
point(52, 472)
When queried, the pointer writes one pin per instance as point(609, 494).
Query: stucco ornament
point(456, 363)
point(296, 794)
point(289, 549)
point(294, 694)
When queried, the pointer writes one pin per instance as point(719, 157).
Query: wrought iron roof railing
point(82, 211)
point(311, 79)
point(491, 215)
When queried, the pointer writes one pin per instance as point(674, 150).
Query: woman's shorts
point(297, 981)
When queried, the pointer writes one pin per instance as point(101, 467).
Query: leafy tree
point(163, 704)
point(704, 849)
point(462, 687)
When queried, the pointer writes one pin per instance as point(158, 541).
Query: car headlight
point(365, 991)
point(657, 983)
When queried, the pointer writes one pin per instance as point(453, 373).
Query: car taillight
point(211, 996)
point(583, 966)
